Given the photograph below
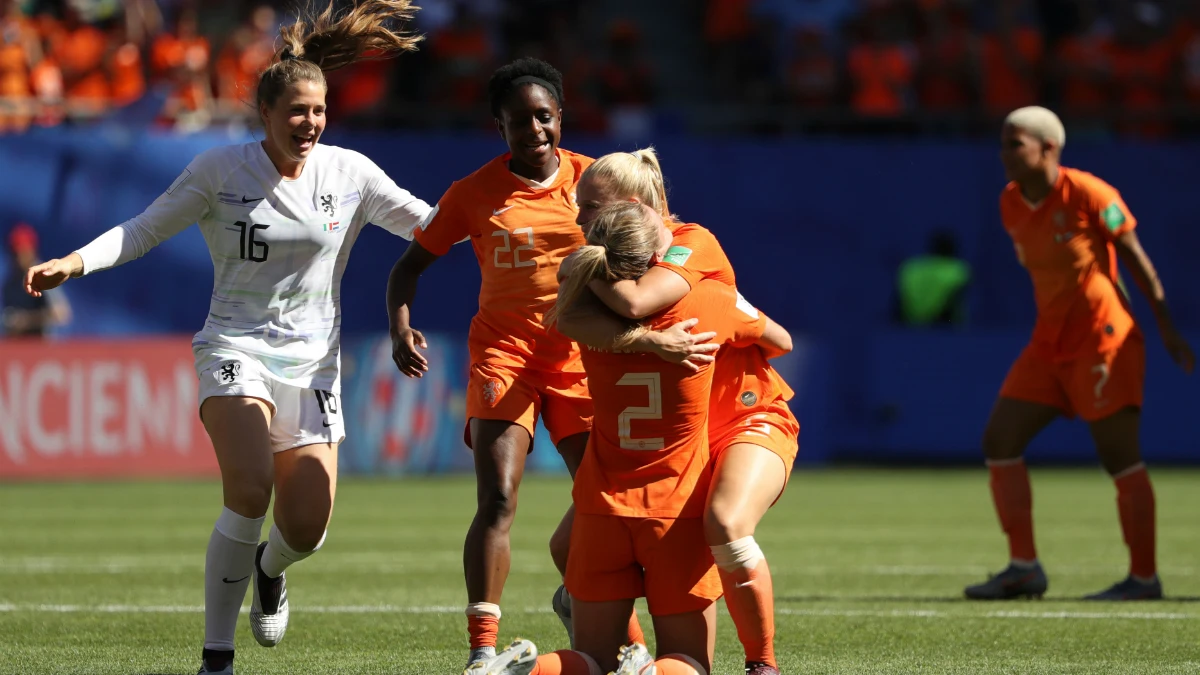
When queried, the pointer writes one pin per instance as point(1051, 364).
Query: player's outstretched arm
point(1130, 250)
point(401, 289)
point(653, 292)
point(589, 322)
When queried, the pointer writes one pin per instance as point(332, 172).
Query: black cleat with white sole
point(269, 607)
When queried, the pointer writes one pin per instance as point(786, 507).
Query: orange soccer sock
point(1135, 504)
point(677, 664)
point(749, 595)
point(565, 662)
point(635, 631)
point(1014, 506)
point(483, 624)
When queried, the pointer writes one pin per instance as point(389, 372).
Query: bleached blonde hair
point(626, 175)
point(1039, 122)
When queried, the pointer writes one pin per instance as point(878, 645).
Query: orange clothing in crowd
point(81, 54)
point(1141, 74)
point(882, 76)
point(1086, 61)
point(1086, 355)
point(1005, 86)
point(727, 20)
point(943, 85)
point(128, 79)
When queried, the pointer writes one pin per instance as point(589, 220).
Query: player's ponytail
point(318, 43)
point(630, 175)
point(620, 244)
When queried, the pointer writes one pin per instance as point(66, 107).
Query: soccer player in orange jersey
point(752, 431)
point(1086, 356)
point(517, 212)
point(640, 491)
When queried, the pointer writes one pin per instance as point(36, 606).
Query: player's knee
point(999, 444)
point(248, 498)
point(498, 504)
point(560, 548)
point(725, 524)
point(304, 537)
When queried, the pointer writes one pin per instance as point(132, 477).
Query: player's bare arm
point(775, 341)
point(401, 289)
point(589, 322)
point(655, 291)
point(1144, 275)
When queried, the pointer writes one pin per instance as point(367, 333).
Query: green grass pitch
point(103, 579)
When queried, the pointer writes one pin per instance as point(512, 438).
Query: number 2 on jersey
point(653, 411)
point(516, 253)
point(258, 249)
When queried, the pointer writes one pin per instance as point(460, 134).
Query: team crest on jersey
point(228, 372)
point(492, 390)
point(328, 204)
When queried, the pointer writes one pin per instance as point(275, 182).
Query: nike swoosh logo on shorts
point(250, 201)
point(234, 581)
point(496, 212)
point(326, 424)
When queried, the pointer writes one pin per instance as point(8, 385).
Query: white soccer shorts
point(301, 416)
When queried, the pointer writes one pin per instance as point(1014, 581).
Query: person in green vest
point(931, 288)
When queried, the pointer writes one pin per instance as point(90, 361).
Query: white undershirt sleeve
point(185, 202)
point(390, 206)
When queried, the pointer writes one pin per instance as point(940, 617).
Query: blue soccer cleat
point(1130, 589)
point(1013, 582)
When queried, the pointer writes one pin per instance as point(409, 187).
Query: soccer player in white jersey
point(279, 217)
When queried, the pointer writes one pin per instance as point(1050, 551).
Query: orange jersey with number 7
point(648, 455)
point(1066, 245)
point(520, 235)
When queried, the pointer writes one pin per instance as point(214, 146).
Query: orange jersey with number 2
point(648, 453)
point(520, 235)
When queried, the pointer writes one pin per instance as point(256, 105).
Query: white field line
point(448, 610)
point(409, 563)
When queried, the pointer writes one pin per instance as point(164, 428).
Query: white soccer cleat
point(634, 659)
point(269, 607)
point(519, 658)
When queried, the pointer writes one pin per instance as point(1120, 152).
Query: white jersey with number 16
point(278, 247)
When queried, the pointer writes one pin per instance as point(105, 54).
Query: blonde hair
point(1039, 122)
point(620, 244)
point(632, 174)
point(318, 43)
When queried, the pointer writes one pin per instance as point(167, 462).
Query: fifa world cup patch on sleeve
point(1113, 217)
point(678, 255)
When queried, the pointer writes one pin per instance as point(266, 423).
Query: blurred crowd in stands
point(873, 66)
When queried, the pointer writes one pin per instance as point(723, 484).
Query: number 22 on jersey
point(501, 257)
point(651, 411)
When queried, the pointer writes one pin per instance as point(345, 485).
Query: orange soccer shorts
point(520, 395)
point(666, 560)
point(1091, 387)
point(774, 428)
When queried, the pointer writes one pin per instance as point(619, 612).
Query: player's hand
point(1178, 348)
point(680, 346)
point(52, 274)
point(405, 343)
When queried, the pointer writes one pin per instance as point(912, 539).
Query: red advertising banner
point(87, 409)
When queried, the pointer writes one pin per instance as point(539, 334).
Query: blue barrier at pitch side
point(815, 229)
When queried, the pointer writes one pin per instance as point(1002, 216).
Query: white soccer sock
point(278, 556)
point(227, 569)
